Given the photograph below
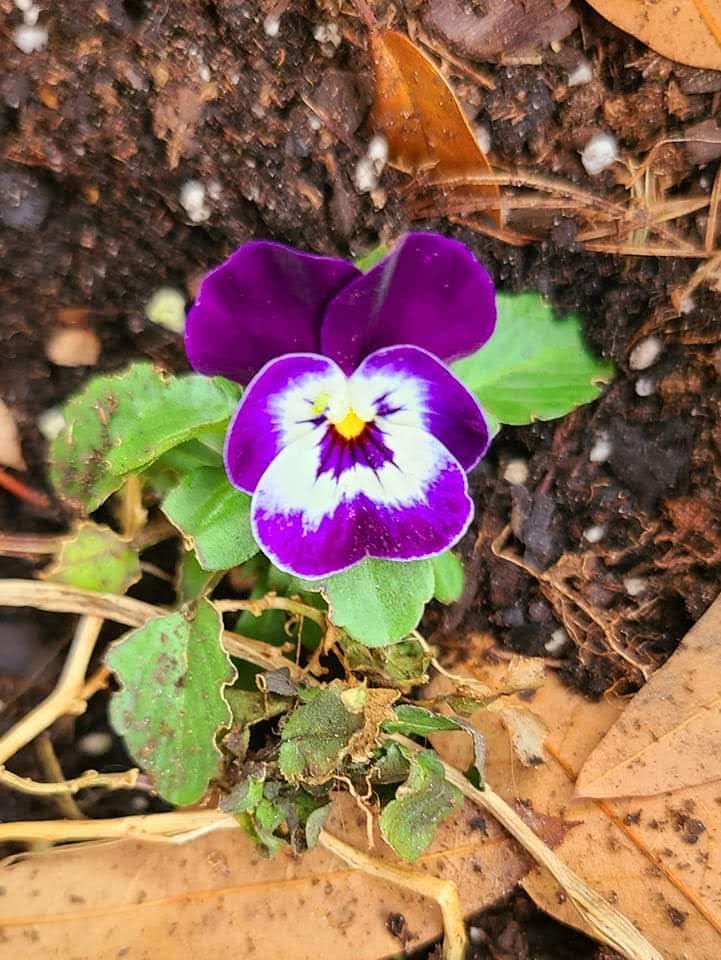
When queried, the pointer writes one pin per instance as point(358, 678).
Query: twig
point(127, 780)
point(96, 682)
point(271, 602)
point(63, 696)
point(54, 773)
point(177, 826)
point(609, 926)
point(28, 544)
point(60, 598)
point(444, 892)
point(22, 491)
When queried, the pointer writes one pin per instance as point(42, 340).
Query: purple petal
point(441, 403)
point(276, 409)
point(430, 292)
point(264, 301)
point(313, 523)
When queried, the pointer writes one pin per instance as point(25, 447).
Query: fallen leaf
point(669, 737)
point(487, 31)
point(73, 347)
point(527, 732)
point(688, 31)
point(94, 557)
point(420, 117)
point(11, 454)
point(218, 894)
point(655, 860)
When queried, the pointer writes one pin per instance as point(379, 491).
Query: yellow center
point(351, 426)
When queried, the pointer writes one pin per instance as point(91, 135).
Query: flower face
point(352, 437)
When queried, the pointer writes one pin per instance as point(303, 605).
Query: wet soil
point(614, 529)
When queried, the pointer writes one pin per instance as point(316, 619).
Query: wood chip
point(11, 454)
point(73, 347)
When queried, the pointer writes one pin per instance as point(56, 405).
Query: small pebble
point(328, 33)
point(204, 73)
point(483, 137)
point(192, 199)
point(600, 153)
point(30, 38)
point(476, 935)
point(96, 744)
point(31, 16)
point(645, 386)
point(378, 151)
point(635, 586)
point(581, 74)
point(370, 166)
point(24, 200)
point(271, 25)
point(516, 472)
point(166, 307)
point(645, 353)
point(595, 534)
point(688, 305)
point(601, 450)
point(51, 423)
point(24, 5)
point(559, 639)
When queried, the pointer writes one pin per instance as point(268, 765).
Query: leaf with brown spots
point(654, 859)
point(688, 31)
point(420, 117)
point(217, 895)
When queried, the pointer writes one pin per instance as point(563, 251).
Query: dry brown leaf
point(419, 115)
point(688, 31)
point(218, 894)
point(527, 731)
point(73, 347)
point(669, 737)
point(656, 861)
point(11, 454)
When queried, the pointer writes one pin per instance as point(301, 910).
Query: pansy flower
point(353, 437)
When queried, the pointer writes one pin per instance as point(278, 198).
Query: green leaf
point(251, 706)
point(246, 795)
point(379, 602)
point(371, 258)
point(212, 516)
point(190, 579)
point(390, 764)
point(94, 557)
point(417, 720)
point(535, 367)
point(410, 821)
point(315, 823)
point(121, 423)
point(316, 736)
point(405, 664)
point(448, 574)
point(170, 706)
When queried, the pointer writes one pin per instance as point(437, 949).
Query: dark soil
point(132, 98)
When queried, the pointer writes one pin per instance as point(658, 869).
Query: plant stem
point(63, 696)
point(60, 598)
point(126, 780)
point(608, 925)
point(272, 602)
point(444, 892)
